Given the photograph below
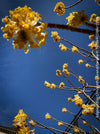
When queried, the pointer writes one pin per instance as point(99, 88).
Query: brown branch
point(74, 4)
point(73, 29)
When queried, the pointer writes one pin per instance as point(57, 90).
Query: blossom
point(19, 122)
point(61, 85)
point(62, 47)
point(52, 86)
point(91, 36)
point(60, 123)
point(74, 49)
point(64, 110)
point(32, 123)
point(66, 72)
point(65, 66)
point(88, 65)
point(47, 84)
point(93, 45)
point(88, 109)
point(81, 80)
point(77, 18)
point(70, 99)
point(93, 17)
point(97, 78)
point(58, 72)
point(23, 25)
point(55, 36)
point(80, 62)
point(59, 8)
point(48, 116)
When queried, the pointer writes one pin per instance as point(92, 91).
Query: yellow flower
point(59, 8)
point(55, 36)
point(70, 99)
point(93, 45)
point(48, 116)
point(65, 66)
point(60, 123)
point(23, 24)
point(58, 73)
point(47, 84)
point(64, 110)
point(74, 49)
point(79, 102)
point(91, 36)
point(61, 85)
point(93, 17)
point(97, 78)
point(85, 122)
point(88, 65)
point(80, 62)
point(77, 18)
point(63, 48)
point(80, 79)
point(66, 72)
point(52, 86)
point(88, 109)
point(32, 123)
point(76, 130)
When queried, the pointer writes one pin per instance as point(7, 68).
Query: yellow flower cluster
point(97, 78)
point(76, 130)
point(91, 36)
point(77, 18)
point(87, 65)
point(74, 49)
point(58, 72)
point(60, 123)
point(20, 124)
point(64, 110)
point(48, 85)
point(78, 100)
point(65, 67)
point(88, 109)
point(80, 62)
point(93, 45)
point(61, 85)
point(55, 36)
point(98, 2)
point(59, 8)
point(93, 17)
point(62, 47)
point(32, 123)
point(47, 116)
point(81, 80)
point(23, 24)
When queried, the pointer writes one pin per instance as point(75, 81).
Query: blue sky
point(22, 76)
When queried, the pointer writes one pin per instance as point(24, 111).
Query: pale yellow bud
point(48, 116)
point(64, 110)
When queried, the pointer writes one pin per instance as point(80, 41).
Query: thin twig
point(74, 4)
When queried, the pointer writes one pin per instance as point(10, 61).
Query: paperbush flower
point(59, 8)
point(77, 18)
point(24, 27)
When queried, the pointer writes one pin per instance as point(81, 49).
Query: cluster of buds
point(62, 47)
point(93, 45)
point(59, 8)
point(88, 109)
point(48, 85)
point(55, 36)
